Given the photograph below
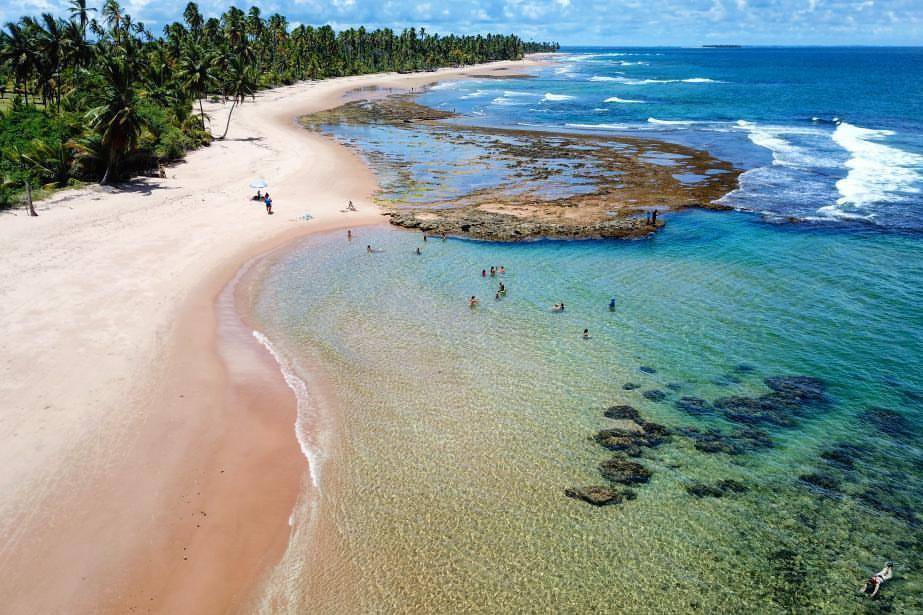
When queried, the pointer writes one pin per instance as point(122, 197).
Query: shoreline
point(128, 402)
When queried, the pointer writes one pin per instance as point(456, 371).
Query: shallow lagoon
point(462, 427)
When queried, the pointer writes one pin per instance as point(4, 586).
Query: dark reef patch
point(600, 495)
point(718, 490)
point(621, 470)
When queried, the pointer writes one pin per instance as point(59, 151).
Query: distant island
point(722, 46)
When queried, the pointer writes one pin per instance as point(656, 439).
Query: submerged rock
point(621, 470)
point(718, 490)
point(886, 498)
point(623, 412)
point(600, 495)
point(647, 369)
point(631, 386)
point(654, 395)
point(842, 455)
point(888, 421)
point(744, 368)
point(701, 490)
point(674, 386)
point(631, 441)
point(789, 398)
point(696, 406)
point(738, 442)
point(823, 481)
point(729, 485)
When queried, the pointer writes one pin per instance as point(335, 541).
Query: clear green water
point(461, 428)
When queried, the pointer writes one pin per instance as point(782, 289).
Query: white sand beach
point(141, 468)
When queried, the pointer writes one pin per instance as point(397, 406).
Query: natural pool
point(462, 428)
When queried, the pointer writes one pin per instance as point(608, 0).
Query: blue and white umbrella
point(259, 183)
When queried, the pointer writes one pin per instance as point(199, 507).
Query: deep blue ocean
point(826, 134)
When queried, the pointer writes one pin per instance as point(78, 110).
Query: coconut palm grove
point(97, 97)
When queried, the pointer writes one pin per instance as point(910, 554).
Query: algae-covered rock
point(598, 495)
point(621, 470)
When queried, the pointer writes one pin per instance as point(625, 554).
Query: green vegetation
point(97, 97)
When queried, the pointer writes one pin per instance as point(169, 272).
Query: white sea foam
point(598, 126)
point(603, 78)
point(784, 152)
point(654, 120)
point(616, 99)
point(475, 94)
point(701, 80)
point(308, 430)
point(549, 97)
point(875, 172)
point(503, 100)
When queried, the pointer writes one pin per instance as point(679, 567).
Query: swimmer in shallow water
point(558, 307)
point(586, 334)
point(874, 583)
point(473, 301)
point(612, 304)
point(502, 270)
point(418, 251)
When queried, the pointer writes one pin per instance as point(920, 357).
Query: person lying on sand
point(350, 206)
point(874, 583)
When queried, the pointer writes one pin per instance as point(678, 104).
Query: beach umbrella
point(259, 183)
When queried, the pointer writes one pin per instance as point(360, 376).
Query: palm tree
point(78, 9)
point(116, 117)
point(240, 82)
point(197, 71)
point(17, 49)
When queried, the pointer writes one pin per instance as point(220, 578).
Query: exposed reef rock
point(600, 495)
point(546, 184)
point(654, 395)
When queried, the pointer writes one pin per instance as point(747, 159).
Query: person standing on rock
point(654, 218)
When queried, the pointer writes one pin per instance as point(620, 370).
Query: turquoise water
point(462, 427)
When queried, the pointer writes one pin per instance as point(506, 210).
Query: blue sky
point(574, 22)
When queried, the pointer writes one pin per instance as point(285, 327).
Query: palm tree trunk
point(202, 113)
point(228, 125)
point(105, 178)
